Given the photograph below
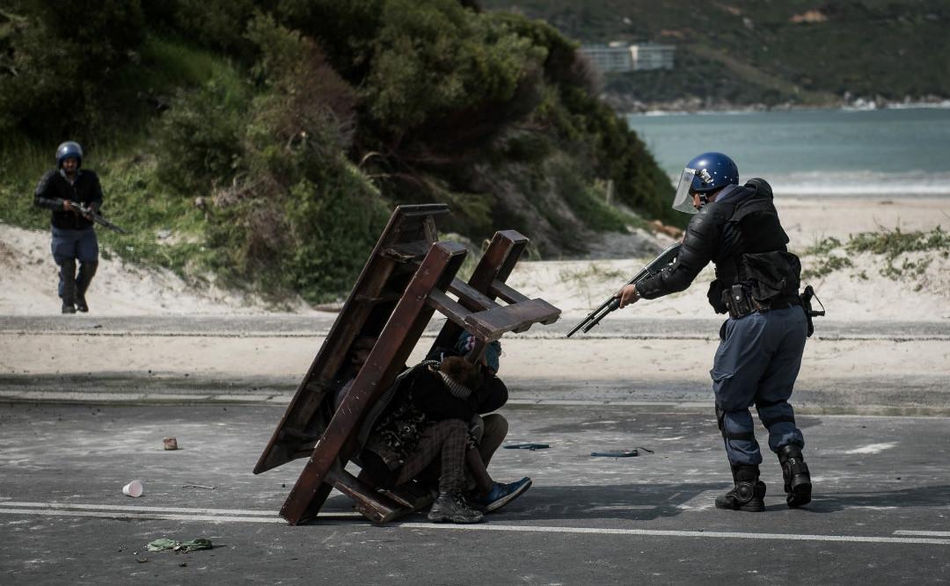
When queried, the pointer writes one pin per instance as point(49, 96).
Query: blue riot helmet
point(68, 150)
point(706, 173)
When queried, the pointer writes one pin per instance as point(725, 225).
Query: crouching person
point(422, 424)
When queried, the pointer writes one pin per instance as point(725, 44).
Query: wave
point(862, 183)
point(856, 184)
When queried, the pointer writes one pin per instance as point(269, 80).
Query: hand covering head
point(492, 353)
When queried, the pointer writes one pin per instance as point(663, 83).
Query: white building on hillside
point(619, 57)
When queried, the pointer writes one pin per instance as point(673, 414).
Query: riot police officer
point(761, 343)
point(74, 238)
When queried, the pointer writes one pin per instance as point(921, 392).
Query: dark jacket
point(739, 228)
point(53, 188)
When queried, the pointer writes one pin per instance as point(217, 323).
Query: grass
point(893, 245)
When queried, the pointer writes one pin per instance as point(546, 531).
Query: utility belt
point(739, 301)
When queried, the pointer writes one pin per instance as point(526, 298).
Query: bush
point(58, 76)
point(200, 139)
point(302, 219)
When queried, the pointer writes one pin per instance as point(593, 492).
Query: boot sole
point(799, 496)
point(451, 519)
point(495, 505)
point(748, 507)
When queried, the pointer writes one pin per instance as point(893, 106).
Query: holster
point(807, 295)
point(738, 301)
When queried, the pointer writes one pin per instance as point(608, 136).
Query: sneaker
point(451, 507)
point(501, 494)
point(81, 305)
point(69, 308)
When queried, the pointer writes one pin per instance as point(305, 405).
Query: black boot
point(748, 494)
point(87, 271)
point(67, 277)
point(797, 478)
point(452, 507)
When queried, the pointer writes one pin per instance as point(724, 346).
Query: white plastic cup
point(133, 489)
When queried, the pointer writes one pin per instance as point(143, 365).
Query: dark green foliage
point(59, 63)
point(268, 141)
point(346, 30)
point(200, 139)
point(748, 51)
point(215, 23)
point(303, 218)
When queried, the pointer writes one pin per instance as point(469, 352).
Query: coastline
point(696, 107)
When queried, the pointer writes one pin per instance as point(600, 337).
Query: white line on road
point(923, 533)
point(143, 516)
point(668, 533)
point(135, 508)
point(255, 516)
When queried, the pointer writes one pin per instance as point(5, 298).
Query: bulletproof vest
point(753, 251)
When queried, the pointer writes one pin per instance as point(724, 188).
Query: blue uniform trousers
point(81, 245)
point(757, 362)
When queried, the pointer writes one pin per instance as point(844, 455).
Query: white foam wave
point(856, 184)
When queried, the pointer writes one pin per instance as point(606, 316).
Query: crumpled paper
point(179, 546)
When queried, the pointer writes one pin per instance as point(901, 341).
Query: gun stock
point(613, 303)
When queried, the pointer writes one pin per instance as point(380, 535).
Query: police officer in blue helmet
point(74, 239)
point(761, 343)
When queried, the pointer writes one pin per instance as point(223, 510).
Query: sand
point(858, 294)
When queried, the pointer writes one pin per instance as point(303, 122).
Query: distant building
point(652, 56)
point(619, 57)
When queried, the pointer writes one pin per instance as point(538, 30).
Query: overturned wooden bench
point(408, 277)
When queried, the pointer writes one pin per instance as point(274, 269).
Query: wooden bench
point(407, 278)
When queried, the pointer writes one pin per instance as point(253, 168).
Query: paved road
point(879, 517)
point(69, 440)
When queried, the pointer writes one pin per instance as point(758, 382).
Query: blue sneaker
point(501, 494)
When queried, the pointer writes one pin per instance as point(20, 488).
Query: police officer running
point(761, 344)
point(73, 235)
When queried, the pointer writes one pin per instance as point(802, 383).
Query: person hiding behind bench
point(422, 422)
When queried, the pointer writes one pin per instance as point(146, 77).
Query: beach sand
point(860, 293)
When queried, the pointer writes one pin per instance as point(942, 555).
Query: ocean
point(895, 152)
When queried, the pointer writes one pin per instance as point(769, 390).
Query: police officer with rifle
point(74, 195)
point(761, 343)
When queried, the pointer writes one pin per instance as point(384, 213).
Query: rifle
point(612, 304)
point(89, 213)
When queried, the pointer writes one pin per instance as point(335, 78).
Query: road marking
point(257, 516)
point(693, 534)
point(923, 533)
point(142, 516)
point(134, 508)
point(145, 512)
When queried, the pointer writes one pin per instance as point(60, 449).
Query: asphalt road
point(882, 501)
point(68, 443)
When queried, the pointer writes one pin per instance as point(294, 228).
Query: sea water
point(889, 153)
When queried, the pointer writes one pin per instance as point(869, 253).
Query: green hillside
point(265, 143)
point(744, 52)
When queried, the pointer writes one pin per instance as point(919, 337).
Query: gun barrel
point(612, 304)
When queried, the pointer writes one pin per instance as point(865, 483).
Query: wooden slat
point(449, 307)
point(492, 323)
point(396, 341)
point(372, 505)
point(471, 297)
point(407, 224)
point(506, 293)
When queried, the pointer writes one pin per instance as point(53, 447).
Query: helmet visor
point(682, 200)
